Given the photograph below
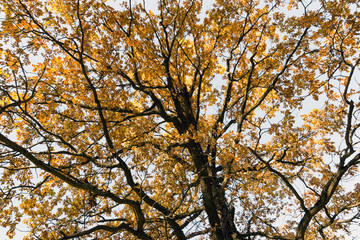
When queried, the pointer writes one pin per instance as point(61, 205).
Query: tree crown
point(237, 120)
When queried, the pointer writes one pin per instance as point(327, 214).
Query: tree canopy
point(229, 119)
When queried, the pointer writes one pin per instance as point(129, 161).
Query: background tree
point(230, 120)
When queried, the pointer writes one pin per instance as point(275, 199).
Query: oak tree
point(226, 119)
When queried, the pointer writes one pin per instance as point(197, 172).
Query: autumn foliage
point(180, 119)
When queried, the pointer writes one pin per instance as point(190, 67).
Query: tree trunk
point(220, 217)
